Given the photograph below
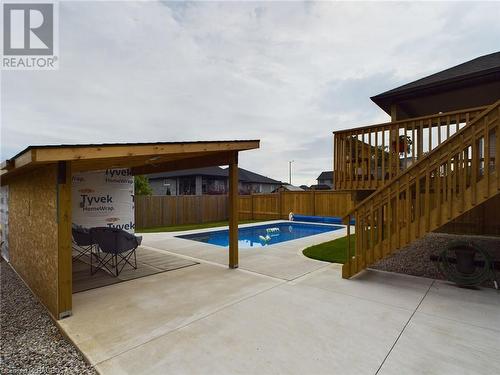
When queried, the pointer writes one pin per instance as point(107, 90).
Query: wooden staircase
point(453, 178)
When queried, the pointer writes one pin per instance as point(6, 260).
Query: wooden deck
point(149, 262)
point(367, 158)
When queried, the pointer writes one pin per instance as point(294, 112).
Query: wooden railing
point(366, 158)
point(456, 176)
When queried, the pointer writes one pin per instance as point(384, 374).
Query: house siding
point(212, 186)
point(160, 186)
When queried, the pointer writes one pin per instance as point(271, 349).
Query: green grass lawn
point(332, 251)
point(177, 228)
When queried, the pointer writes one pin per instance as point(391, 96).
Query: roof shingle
point(479, 67)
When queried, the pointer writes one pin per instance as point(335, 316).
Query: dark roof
point(470, 70)
point(321, 187)
point(289, 187)
point(248, 176)
point(207, 171)
point(244, 175)
point(325, 175)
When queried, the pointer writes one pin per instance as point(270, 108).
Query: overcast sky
point(286, 73)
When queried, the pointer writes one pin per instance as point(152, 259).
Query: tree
point(142, 186)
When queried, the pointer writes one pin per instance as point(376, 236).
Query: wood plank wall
point(151, 211)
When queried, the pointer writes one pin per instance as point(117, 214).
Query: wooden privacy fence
point(164, 210)
point(279, 205)
point(151, 211)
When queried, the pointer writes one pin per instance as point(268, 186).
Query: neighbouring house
point(209, 180)
point(434, 167)
point(197, 181)
point(287, 187)
point(325, 178)
point(251, 182)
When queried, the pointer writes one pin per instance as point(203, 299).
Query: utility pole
point(290, 171)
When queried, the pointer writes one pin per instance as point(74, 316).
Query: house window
point(165, 182)
point(187, 186)
point(213, 186)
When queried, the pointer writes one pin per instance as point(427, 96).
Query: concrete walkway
point(261, 319)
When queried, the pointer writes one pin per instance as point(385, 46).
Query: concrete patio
point(282, 313)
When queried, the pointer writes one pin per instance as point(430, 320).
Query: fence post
point(280, 205)
point(252, 216)
point(313, 202)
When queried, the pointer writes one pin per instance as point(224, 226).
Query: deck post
point(233, 211)
point(346, 268)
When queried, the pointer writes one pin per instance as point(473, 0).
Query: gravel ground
point(30, 342)
point(414, 258)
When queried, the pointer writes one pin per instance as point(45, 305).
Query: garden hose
point(447, 266)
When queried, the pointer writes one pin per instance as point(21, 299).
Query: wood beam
point(233, 211)
point(128, 162)
point(64, 266)
point(49, 154)
point(24, 159)
point(208, 160)
point(7, 164)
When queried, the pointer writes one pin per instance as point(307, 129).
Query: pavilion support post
point(233, 211)
point(64, 266)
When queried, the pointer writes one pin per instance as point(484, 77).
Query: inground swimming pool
point(262, 235)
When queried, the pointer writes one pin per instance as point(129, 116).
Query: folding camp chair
point(116, 248)
point(82, 243)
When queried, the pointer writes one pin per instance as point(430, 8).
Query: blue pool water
point(262, 235)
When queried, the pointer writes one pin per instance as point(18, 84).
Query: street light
point(290, 171)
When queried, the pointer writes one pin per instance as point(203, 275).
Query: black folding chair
point(83, 243)
point(116, 248)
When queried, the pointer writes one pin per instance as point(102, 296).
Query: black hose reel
point(466, 264)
